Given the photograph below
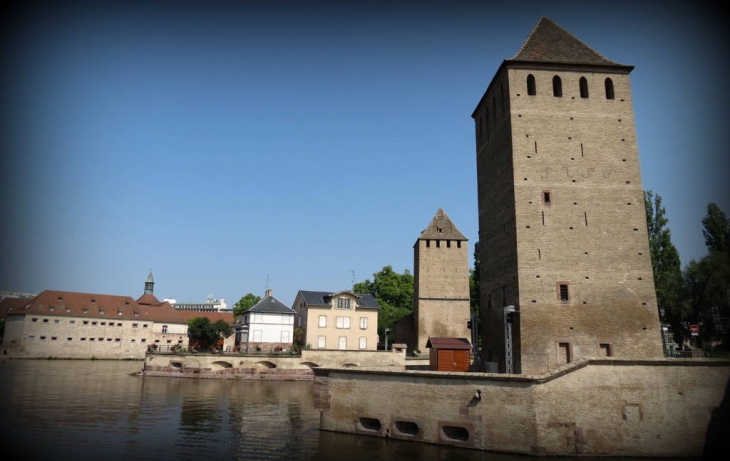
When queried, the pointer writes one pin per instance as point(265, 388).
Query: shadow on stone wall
point(717, 441)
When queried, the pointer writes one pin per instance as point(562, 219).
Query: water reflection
point(51, 409)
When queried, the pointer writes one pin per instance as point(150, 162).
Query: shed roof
point(448, 343)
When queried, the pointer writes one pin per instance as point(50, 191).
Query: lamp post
point(387, 330)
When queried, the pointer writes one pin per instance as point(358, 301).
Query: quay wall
point(603, 406)
point(259, 366)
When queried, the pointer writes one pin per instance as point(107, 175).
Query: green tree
point(667, 268)
point(716, 230)
point(208, 333)
point(474, 282)
point(707, 281)
point(245, 303)
point(394, 293)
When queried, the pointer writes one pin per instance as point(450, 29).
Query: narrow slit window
point(557, 87)
point(563, 293)
point(581, 150)
point(585, 216)
point(543, 218)
point(546, 198)
point(583, 84)
point(609, 89)
point(531, 87)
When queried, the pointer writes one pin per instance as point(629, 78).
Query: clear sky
point(230, 145)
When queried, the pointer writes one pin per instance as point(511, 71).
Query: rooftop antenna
point(352, 272)
point(267, 283)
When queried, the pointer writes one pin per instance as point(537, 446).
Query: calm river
point(79, 410)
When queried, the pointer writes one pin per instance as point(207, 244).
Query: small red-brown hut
point(449, 354)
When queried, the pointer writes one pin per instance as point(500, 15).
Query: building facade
point(266, 326)
point(564, 253)
point(342, 320)
point(441, 282)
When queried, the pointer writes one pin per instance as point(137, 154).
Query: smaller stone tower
point(149, 285)
point(441, 288)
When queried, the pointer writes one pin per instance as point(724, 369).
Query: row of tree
point(699, 294)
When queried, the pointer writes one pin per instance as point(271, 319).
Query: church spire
point(149, 284)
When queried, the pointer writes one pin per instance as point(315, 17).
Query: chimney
point(268, 293)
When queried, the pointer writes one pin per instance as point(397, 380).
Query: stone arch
point(264, 365)
point(350, 365)
point(220, 365)
point(309, 364)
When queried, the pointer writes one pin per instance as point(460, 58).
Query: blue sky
point(227, 146)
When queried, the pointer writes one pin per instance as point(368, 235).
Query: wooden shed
point(449, 354)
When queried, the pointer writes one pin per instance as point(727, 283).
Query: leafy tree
point(394, 293)
point(707, 281)
point(245, 303)
point(208, 333)
point(716, 230)
point(666, 265)
point(474, 282)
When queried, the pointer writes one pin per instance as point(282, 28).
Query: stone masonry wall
point(617, 407)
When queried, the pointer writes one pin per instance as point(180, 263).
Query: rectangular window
point(363, 323)
point(56, 321)
point(43, 338)
point(284, 337)
point(169, 341)
point(363, 342)
point(604, 350)
point(343, 343)
point(92, 339)
point(35, 320)
point(69, 339)
point(546, 197)
point(119, 324)
point(144, 325)
point(438, 243)
point(31, 337)
point(258, 317)
point(164, 328)
point(564, 353)
point(563, 292)
point(343, 303)
point(458, 244)
point(321, 342)
point(135, 325)
point(134, 340)
point(83, 339)
point(86, 322)
point(54, 338)
point(72, 321)
point(103, 323)
point(108, 339)
point(343, 322)
point(257, 336)
point(45, 320)
point(322, 321)
point(93, 323)
point(143, 340)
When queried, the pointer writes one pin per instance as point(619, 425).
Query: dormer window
point(51, 309)
point(440, 230)
point(120, 312)
point(136, 314)
point(68, 309)
point(343, 303)
point(86, 311)
point(101, 312)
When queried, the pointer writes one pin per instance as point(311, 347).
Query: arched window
point(583, 87)
point(531, 89)
point(609, 89)
point(557, 87)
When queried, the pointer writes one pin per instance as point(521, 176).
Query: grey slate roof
point(322, 298)
point(550, 43)
point(271, 305)
point(441, 228)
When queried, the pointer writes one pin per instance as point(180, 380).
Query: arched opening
point(609, 89)
point(406, 427)
point(557, 87)
point(531, 88)
point(350, 365)
point(583, 83)
point(221, 365)
point(309, 364)
point(456, 433)
point(369, 424)
point(264, 365)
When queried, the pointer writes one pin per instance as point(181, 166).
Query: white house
point(267, 325)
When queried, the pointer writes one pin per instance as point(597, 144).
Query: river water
point(78, 410)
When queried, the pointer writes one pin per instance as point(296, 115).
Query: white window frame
point(257, 336)
point(343, 323)
point(285, 337)
point(258, 317)
point(363, 323)
point(344, 303)
point(363, 342)
point(321, 342)
point(342, 345)
point(164, 328)
point(323, 321)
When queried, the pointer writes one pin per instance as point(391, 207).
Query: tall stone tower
point(562, 227)
point(441, 290)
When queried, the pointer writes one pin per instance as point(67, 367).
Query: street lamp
point(387, 330)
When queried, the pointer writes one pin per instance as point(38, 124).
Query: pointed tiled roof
point(550, 43)
point(441, 228)
point(148, 299)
